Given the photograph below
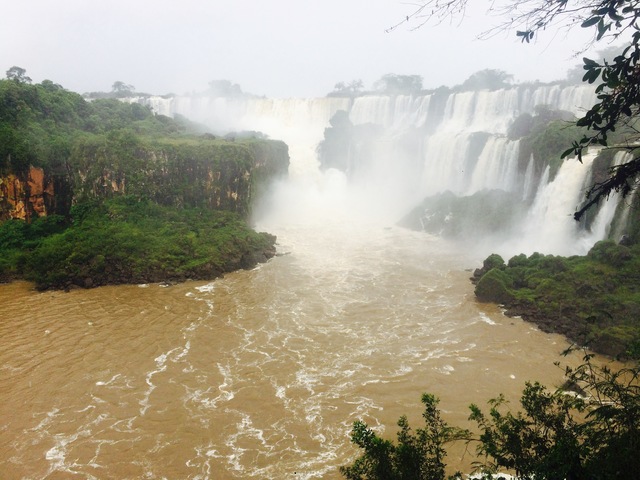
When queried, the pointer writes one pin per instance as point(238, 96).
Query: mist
point(444, 162)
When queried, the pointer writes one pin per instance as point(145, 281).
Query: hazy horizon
point(283, 49)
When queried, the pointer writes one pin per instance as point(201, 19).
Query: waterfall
point(429, 144)
point(496, 166)
point(550, 227)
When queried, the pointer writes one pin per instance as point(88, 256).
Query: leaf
point(613, 15)
point(590, 22)
point(602, 29)
point(526, 35)
point(592, 75)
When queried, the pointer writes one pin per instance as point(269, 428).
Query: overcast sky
point(277, 48)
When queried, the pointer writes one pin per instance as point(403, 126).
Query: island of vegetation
point(106, 192)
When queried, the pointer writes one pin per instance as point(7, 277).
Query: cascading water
point(459, 144)
point(550, 225)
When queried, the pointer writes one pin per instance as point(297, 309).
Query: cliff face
point(204, 172)
point(27, 195)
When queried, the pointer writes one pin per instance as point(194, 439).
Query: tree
point(488, 79)
point(418, 456)
point(121, 89)
point(350, 89)
point(392, 84)
point(224, 88)
point(591, 433)
point(588, 429)
point(18, 74)
point(612, 121)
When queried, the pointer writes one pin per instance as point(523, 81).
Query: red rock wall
point(25, 196)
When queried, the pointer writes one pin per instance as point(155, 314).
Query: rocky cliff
point(200, 172)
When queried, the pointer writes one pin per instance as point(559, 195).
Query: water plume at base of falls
point(421, 147)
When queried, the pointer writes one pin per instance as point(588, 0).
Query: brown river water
point(260, 374)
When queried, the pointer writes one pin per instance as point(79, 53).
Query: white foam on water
point(86, 409)
point(484, 318)
point(208, 288)
point(108, 382)
point(47, 420)
point(161, 367)
point(57, 455)
point(446, 369)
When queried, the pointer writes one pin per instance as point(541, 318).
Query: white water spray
point(462, 148)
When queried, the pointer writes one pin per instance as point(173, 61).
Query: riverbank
point(593, 300)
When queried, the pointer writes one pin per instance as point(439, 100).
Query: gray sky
point(277, 48)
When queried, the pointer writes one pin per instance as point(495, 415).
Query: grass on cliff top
point(126, 240)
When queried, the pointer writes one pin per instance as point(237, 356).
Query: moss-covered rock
point(494, 286)
point(485, 213)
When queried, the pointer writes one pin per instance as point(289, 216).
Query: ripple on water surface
point(259, 374)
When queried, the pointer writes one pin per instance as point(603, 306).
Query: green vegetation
point(593, 299)
point(416, 456)
point(350, 89)
point(129, 240)
point(392, 84)
point(130, 196)
point(46, 126)
point(41, 124)
point(488, 79)
point(557, 434)
point(182, 171)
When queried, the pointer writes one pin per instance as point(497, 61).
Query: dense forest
point(104, 191)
